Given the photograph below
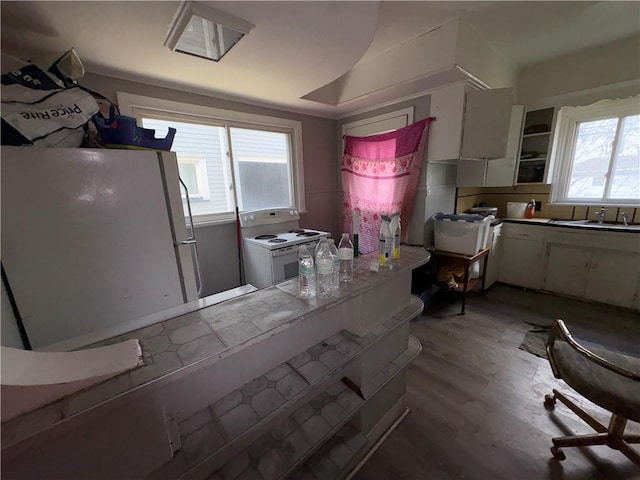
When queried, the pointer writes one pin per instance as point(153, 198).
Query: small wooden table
point(466, 261)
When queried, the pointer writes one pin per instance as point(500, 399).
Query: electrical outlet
point(428, 190)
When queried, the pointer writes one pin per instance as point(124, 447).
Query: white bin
point(466, 234)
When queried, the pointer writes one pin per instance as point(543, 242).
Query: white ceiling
point(296, 47)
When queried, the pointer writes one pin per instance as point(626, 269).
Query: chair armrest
point(559, 330)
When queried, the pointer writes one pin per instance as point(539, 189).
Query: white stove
point(271, 239)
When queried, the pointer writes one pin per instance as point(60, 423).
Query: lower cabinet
point(566, 269)
point(599, 266)
point(614, 278)
point(493, 263)
point(521, 257)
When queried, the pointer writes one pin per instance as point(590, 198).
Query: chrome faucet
point(600, 215)
point(624, 219)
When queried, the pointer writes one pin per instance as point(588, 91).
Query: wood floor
point(476, 400)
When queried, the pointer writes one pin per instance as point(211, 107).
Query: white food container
point(466, 234)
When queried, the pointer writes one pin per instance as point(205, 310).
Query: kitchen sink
point(596, 224)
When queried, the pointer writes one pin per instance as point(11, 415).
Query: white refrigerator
point(93, 239)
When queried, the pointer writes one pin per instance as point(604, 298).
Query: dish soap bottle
point(531, 208)
point(395, 227)
point(385, 241)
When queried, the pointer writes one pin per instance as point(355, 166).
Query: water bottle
point(324, 269)
point(345, 253)
point(306, 274)
point(336, 265)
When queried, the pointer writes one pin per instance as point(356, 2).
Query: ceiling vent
point(204, 31)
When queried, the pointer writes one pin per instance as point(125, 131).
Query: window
point(598, 154)
point(227, 158)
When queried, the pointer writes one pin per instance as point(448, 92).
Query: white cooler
point(466, 234)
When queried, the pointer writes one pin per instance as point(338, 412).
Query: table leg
point(465, 284)
point(484, 273)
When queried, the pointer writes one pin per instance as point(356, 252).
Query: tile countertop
point(175, 346)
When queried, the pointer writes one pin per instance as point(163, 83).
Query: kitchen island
point(265, 385)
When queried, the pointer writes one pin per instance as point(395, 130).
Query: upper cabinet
point(535, 147)
point(469, 123)
point(498, 172)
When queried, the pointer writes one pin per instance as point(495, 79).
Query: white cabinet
point(521, 256)
point(595, 265)
point(498, 172)
point(566, 270)
point(614, 278)
point(469, 123)
point(536, 144)
point(493, 263)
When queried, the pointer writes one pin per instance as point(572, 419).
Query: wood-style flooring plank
point(476, 400)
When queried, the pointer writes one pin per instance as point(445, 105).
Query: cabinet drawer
point(528, 232)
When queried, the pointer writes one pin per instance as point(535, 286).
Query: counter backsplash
point(499, 196)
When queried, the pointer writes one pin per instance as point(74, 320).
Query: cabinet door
point(520, 262)
point(445, 134)
point(493, 263)
point(613, 278)
point(487, 116)
point(471, 173)
point(566, 269)
point(502, 172)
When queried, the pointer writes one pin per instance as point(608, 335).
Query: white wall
point(608, 71)
point(217, 244)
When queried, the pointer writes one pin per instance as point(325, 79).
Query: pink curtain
point(380, 176)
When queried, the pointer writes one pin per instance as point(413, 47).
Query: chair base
point(613, 436)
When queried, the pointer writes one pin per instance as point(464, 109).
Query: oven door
point(284, 261)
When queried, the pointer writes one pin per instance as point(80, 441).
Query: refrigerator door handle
point(192, 239)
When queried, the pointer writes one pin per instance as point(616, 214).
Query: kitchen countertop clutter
point(266, 385)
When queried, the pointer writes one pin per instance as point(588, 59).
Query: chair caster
point(557, 453)
point(549, 401)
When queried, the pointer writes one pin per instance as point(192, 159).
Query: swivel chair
point(608, 379)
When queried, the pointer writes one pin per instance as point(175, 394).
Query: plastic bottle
point(531, 208)
point(336, 265)
point(324, 270)
point(346, 252)
point(306, 273)
point(356, 231)
point(385, 241)
point(394, 226)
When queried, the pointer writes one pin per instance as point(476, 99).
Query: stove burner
point(308, 234)
point(265, 237)
point(277, 240)
point(297, 230)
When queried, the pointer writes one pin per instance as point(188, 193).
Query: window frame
point(137, 106)
point(199, 162)
point(564, 144)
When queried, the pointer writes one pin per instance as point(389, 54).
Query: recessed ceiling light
point(204, 31)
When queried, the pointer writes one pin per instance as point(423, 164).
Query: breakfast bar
point(265, 385)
